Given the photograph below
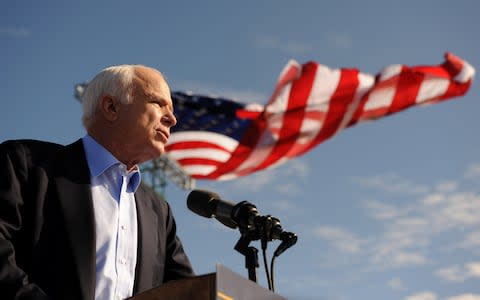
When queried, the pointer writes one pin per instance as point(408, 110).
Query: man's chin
point(159, 149)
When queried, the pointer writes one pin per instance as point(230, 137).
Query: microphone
point(209, 204)
point(243, 215)
point(288, 240)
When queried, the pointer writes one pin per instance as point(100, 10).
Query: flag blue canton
point(203, 113)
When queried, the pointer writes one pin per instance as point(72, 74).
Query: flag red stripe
point(242, 152)
point(193, 145)
point(406, 91)
point(455, 89)
point(253, 133)
point(198, 161)
point(339, 103)
point(395, 89)
point(293, 117)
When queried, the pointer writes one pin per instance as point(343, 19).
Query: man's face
point(145, 122)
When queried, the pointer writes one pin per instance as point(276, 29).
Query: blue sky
point(384, 210)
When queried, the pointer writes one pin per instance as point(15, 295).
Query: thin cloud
point(459, 210)
point(450, 212)
point(411, 228)
point(447, 186)
point(433, 199)
point(473, 171)
point(465, 297)
point(457, 273)
point(391, 183)
point(426, 295)
point(471, 241)
point(282, 175)
point(382, 211)
point(255, 182)
point(410, 231)
point(341, 239)
point(396, 284)
point(14, 32)
point(298, 168)
point(305, 282)
point(288, 188)
point(391, 257)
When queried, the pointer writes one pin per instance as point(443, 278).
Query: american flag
point(220, 139)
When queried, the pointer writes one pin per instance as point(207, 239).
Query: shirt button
point(123, 261)
point(123, 227)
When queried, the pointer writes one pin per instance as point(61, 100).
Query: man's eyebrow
point(157, 99)
point(154, 97)
point(162, 100)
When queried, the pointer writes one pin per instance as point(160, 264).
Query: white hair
point(116, 81)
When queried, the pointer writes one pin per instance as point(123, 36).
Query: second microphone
point(209, 204)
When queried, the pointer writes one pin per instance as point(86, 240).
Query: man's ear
point(109, 107)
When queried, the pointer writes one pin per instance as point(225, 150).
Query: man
point(75, 222)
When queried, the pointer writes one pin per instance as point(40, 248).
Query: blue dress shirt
point(115, 213)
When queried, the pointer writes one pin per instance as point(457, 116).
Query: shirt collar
point(134, 178)
point(100, 159)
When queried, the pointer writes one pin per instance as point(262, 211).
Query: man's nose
point(169, 119)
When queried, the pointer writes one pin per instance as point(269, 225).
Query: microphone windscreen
point(202, 202)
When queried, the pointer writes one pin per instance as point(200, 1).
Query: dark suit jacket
point(47, 226)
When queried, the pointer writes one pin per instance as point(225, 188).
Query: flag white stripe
point(223, 141)
point(383, 97)
point(324, 86)
point(267, 141)
point(432, 87)
point(366, 82)
point(212, 154)
point(228, 176)
point(281, 102)
point(380, 98)
point(466, 73)
point(433, 83)
point(390, 71)
point(199, 169)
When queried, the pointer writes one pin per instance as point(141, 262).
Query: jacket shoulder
point(35, 145)
point(30, 151)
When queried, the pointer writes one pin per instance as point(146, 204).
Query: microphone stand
point(250, 252)
point(265, 228)
point(252, 227)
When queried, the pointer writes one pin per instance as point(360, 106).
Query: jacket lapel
point(72, 179)
point(147, 221)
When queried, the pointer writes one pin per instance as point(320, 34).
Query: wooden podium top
point(224, 284)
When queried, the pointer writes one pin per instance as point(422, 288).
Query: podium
point(224, 284)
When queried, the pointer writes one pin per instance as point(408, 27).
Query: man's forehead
point(149, 76)
point(151, 82)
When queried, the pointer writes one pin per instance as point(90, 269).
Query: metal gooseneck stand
point(251, 256)
point(264, 228)
point(254, 227)
point(246, 216)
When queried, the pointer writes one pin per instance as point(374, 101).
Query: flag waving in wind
point(221, 139)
